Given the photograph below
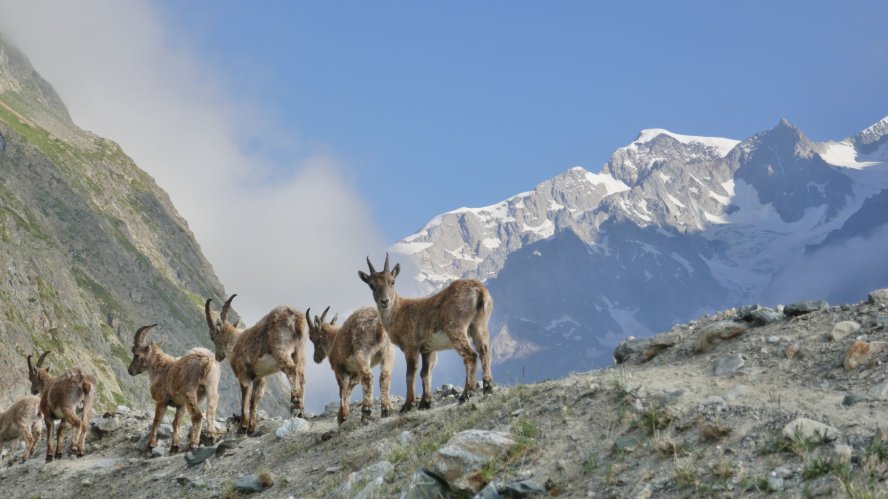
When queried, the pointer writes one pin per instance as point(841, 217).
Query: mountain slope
point(91, 248)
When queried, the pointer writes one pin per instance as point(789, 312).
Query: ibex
point(275, 343)
point(182, 383)
point(424, 326)
point(353, 349)
point(60, 398)
point(21, 421)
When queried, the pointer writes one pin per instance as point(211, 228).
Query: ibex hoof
point(341, 419)
point(466, 395)
point(49, 458)
point(9, 463)
point(488, 387)
point(385, 412)
point(80, 454)
point(425, 404)
point(174, 449)
point(58, 455)
point(406, 407)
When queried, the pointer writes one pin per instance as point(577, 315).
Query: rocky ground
point(749, 402)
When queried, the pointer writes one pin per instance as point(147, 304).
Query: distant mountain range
point(674, 226)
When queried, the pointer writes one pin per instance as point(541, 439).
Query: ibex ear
point(364, 277)
point(396, 270)
point(333, 322)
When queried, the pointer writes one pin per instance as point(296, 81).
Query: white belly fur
point(439, 341)
point(266, 365)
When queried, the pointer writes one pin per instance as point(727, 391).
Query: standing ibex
point(21, 421)
point(275, 343)
point(60, 398)
point(424, 326)
point(353, 349)
point(181, 382)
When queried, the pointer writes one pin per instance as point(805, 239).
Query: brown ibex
point(60, 398)
point(424, 326)
point(275, 343)
point(353, 349)
point(182, 383)
point(21, 421)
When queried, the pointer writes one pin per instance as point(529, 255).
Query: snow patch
point(409, 248)
point(722, 145)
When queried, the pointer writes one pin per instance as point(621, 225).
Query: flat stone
point(291, 426)
point(626, 443)
point(804, 307)
point(774, 339)
point(758, 316)
point(843, 329)
point(853, 398)
point(718, 332)
point(249, 484)
point(368, 476)
point(728, 365)
point(810, 429)
point(524, 488)
point(423, 485)
point(878, 297)
point(199, 455)
point(488, 492)
point(775, 482)
point(108, 425)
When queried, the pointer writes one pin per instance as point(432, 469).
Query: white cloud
point(292, 232)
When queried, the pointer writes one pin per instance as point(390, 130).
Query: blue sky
point(433, 106)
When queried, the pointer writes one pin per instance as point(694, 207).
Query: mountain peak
point(722, 145)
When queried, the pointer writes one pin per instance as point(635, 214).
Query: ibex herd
point(420, 327)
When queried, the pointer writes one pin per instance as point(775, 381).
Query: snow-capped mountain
point(672, 227)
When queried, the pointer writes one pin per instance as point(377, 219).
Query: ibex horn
point(386, 267)
point(225, 307)
point(30, 365)
point(333, 320)
point(372, 270)
point(40, 360)
point(308, 316)
point(209, 313)
point(142, 333)
point(324, 313)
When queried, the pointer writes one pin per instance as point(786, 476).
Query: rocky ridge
point(751, 401)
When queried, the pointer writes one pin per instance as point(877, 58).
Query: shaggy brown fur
point(61, 397)
point(275, 343)
point(353, 349)
point(21, 421)
point(424, 326)
point(182, 383)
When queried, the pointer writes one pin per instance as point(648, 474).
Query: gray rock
point(331, 408)
point(881, 431)
point(879, 392)
point(426, 486)
point(853, 398)
point(774, 339)
point(249, 484)
point(157, 452)
point(122, 410)
point(626, 443)
point(775, 482)
point(405, 438)
point(371, 477)
point(291, 426)
point(737, 392)
point(810, 429)
point(465, 453)
point(488, 492)
point(804, 307)
point(843, 329)
point(165, 431)
point(714, 400)
point(629, 347)
point(267, 426)
point(227, 446)
point(758, 316)
point(729, 365)
point(199, 455)
point(842, 453)
point(524, 488)
point(878, 297)
point(106, 426)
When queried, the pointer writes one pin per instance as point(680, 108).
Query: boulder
point(715, 333)
point(369, 479)
point(843, 329)
point(252, 483)
point(878, 297)
point(427, 486)
point(459, 461)
point(524, 488)
point(809, 429)
point(629, 347)
point(729, 365)
point(804, 307)
point(757, 315)
point(199, 455)
point(291, 426)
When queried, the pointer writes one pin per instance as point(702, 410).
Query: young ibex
point(182, 383)
point(424, 326)
point(21, 421)
point(353, 349)
point(275, 343)
point(60, 398)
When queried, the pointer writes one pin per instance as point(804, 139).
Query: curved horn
point(324, 313)
point(307, 316)
point(30, 365)
point(372, 270)
point(139, 339)
point(225, 307)
point(40, 360)
point(209, 313)
point(333, 320)
point(386, 267)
